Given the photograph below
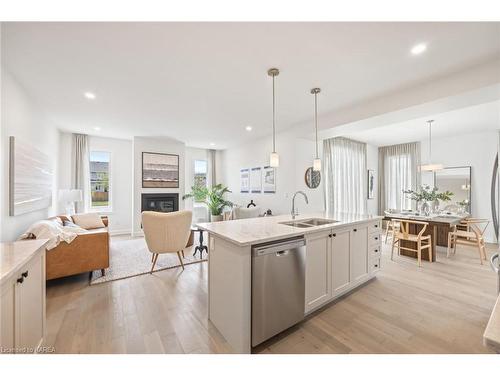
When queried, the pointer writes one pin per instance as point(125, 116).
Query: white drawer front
point(375, 265)
point(374, 239)
point(375, 226)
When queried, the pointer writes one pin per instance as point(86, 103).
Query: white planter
point(214, 218)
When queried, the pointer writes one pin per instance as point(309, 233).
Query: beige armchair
point(166, 232)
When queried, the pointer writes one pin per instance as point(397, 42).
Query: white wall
point(162, 145)
point(477, 150)
point(22, 118)
point(296, 155)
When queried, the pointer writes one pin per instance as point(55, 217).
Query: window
point(200, 175)
point(100, 197)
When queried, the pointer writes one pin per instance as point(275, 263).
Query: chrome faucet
point(294, 211)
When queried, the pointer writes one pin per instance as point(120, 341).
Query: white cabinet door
point(341, 242)
point(30, 305)
point(7, 312)
point(318, 271)
point(359, 253)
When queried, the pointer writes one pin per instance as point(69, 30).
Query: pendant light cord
point(274, 118)
point(316, 120)
point(430, 140)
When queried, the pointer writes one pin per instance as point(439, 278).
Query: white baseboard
point(120, 232)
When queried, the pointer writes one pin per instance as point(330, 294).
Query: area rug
point(130, 257)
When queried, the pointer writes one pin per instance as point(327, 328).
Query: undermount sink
point(309, 223)
point(316, 221)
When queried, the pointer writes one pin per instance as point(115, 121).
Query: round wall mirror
point(313, 178)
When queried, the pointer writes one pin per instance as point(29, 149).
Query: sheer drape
point(398, 171)
point(81, 174)
point(345, 175)
point(212, 172)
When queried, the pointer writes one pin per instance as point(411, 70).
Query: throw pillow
point(88, 221)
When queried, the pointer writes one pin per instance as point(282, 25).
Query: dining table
point(439, 225)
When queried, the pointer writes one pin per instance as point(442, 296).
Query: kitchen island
point(342, 251)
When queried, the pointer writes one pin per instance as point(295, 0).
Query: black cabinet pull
point(376, 250)
point(20, 280)
point(334, 235)
point(330, 235)
point(376, 225)
point(355, 230)
point(376, 265)
point(24, 274)
point(376, 238)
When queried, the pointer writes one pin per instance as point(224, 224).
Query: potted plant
point(213, 197)
point(429, 197)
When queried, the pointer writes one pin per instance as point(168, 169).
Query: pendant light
point(274, 159)
point(430, 167)
point(317, 160)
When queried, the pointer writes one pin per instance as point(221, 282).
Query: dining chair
point(166, 233)
point(469, 232)
point(403, 234)
point(392, 226)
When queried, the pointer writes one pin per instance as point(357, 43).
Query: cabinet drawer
point(374, 239)
point(375, 251)
point(375, 265)
point(375, 226)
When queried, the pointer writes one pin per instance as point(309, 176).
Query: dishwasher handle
point(281, 248)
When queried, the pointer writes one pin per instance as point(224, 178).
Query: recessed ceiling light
point(418, 48)
point(89, 95)
point(248, 128)
point(212, 144)
point(96, 128)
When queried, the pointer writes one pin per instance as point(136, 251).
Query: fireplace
point(160, 202)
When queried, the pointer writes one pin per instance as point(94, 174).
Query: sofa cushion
point(88, 221)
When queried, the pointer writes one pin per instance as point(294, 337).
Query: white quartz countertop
point(246, 232)
point(14, 255)
point(491, 335)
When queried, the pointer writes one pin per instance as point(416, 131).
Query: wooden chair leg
point(480, 252)
point(430, 250)
point(180, 259)
point(152, 257)
point(182, 251)
point(155, 257)
point(419, 253)
point(392, 248)
point(103, 271)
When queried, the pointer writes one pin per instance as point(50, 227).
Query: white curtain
point(345, 175)
point(81, 174)
point(398, 171)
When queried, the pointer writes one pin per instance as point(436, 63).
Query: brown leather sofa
point(86, 253)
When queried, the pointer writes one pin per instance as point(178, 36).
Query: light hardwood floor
point(441, 307)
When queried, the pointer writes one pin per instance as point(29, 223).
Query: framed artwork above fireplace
point(160, 170)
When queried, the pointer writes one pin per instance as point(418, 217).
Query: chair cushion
point(88, 221)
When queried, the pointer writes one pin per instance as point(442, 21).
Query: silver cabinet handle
point(282, 253)
point(492, 262)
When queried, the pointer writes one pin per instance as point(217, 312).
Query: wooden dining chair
point(469, 232)
point(422, 241)
point(392, 226)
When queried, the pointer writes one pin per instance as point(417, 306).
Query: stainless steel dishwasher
point(278, 287)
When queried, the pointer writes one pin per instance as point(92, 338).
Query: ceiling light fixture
point(274, 158)
point(89, 95)
point(96, 128)
point(419, 48)
point(317, 160)
point(248, 128)
point(212, 144)
point(430, 167)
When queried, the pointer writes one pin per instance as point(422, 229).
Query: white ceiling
point(204, 82)
point(462, 121)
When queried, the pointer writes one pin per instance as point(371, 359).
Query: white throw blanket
point(53, 231)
